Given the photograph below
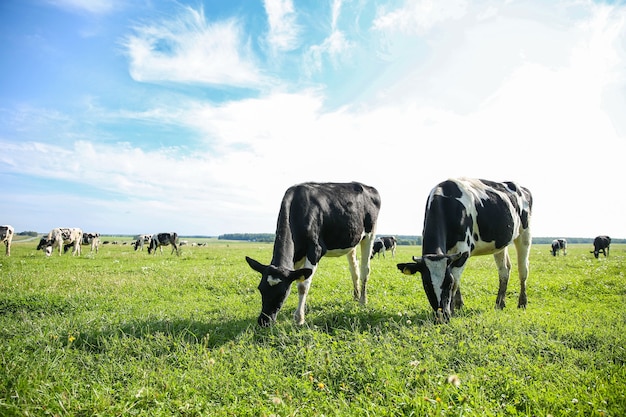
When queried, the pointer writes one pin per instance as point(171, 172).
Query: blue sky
point(149, 116)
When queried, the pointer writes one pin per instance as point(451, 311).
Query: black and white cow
point(91, 239)
point(141, 240)
point(602, 244)
point(6, 236)
point(383, 244)
point(163, 239)
point(469, 217)
point(557, 245)
point(316, 220)
point(60, 237)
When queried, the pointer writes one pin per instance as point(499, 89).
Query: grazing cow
point(6, 235)
point(89, 239)
point(163, 239)
point(316, 220)
point(557, 245)
point(92, 239)
point(62, 236)
point(141, 240)
point(383, 244)
point(469, 217)
point(601, 244)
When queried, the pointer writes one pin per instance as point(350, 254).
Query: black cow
point(469, 217)
point(383, 244)
point(557, 245)
point(601, 244)
point(316, 220)
point(163, 239)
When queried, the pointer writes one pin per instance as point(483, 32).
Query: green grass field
point(124, 333)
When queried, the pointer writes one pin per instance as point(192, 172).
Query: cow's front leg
point(303, 291)
point(353, 265)
point(503, 263)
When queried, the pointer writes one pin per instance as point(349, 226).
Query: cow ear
point(409, 268)
point(300, 274)
point(257, 266)
point(454, 258)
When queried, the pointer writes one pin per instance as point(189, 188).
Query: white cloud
point(336, 47)
point(419, 16)
point(283, 32)
point(191, 50)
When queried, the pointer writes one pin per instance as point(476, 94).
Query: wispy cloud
point(90, 6)
point(283, 30)
point(335, 48)
point(188, 49)
point(419, 16)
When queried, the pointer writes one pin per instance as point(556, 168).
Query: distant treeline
point(28, 233)
point(248, 237)
point(408, 240)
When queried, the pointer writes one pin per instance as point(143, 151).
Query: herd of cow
point(463, 218)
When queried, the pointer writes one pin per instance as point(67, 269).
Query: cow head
point(43, 243)
point(437, 279)
point(274, 287)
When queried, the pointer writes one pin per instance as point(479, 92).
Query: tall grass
point(125, 333)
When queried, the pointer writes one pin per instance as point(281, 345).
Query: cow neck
point(435, 230)
point(283, 242)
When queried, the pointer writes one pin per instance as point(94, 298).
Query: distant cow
point(62, 236)
point(163, 239)
point(316, 220)
point(6, 236)
point(601, 244)
point(383, 244)
point(141, 240)
point(470, 217)
point(89, 239)
point(557, 245)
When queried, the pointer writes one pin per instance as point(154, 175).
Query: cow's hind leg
point(503, 263)
point(366, 252)
point(522, 245)
point(353, 265)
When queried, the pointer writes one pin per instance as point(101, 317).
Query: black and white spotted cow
point(383, 244)
point(141, 240)
point(91, 239)
point(602, 244)
point(470, 217)
point(559, 245)
point(316, 220)
point(60, 237)
point(6, 236)
point(163, 239)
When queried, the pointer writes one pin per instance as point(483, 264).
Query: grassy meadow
point(124, 333)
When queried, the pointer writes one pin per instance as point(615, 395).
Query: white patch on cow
point(437, 273)
point(273, 281)
point(334, 253)
point(48, 250)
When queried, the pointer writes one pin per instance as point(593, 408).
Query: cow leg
point(303, 291)
point(457, 297)
point(353, 266)
point(522, 245)
point(366, 249)
point(503, 263)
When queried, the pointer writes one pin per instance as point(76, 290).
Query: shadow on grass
point(330, 319)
